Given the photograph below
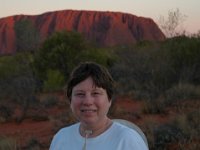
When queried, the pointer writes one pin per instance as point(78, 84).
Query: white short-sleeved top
point(117, 137)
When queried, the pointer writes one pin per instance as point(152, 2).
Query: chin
point(88, 121)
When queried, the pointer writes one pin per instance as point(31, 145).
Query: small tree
point(17, 82)
point(61, 52)
point(170, 26)
point(55, 80)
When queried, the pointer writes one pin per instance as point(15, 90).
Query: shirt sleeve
point(133, 141)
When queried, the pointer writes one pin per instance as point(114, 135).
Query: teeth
point(88, 110)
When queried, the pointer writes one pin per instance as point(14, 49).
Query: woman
point(90, 91)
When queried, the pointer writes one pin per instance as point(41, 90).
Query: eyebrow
point(96, 88)
point(78, 90)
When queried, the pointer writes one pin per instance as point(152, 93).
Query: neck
point(95, 131)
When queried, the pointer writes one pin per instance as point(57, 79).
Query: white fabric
point(117, 137)
point(132, 126)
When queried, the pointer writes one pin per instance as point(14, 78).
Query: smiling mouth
point(88, 110)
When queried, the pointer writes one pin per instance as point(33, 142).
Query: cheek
point(106, 105)
point(74, 106)
point(109, 104)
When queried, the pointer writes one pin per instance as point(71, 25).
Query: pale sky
point(145, 8)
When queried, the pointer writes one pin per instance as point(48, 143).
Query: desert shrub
point(132, 70)
point(182, 131)
point(181, 92)
point(193, 120)
point(16, 77)
point(191, 144)
point(50, 101)
point(184, 56)
point(143, 71)
point(148, 128)
point(62, 52)
point(5, 113)
point(166, 134)
point(146, 71)
point(37, 113)
point(55, 80)
point(62, 119)
point(8, 143)
point(154, 106)
point(59, 51)
point(116, 111)
point(33, 144)
point(17, 81)
point(189, 123)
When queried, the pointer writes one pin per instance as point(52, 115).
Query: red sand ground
point(27, 131)
point(43, 131)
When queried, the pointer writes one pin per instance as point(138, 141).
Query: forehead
point(88, 83)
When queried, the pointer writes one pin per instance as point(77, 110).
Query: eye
point(96, 93)
point(79, 94)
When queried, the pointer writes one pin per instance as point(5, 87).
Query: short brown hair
point(100, 75)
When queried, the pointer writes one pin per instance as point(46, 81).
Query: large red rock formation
point(104, 28)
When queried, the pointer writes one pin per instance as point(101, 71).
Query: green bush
point(50, 101)
point(181, 92)
point(16, 77)
point(165, 135)
point(33, 144)
point(5, 113)
point(61, 52)
point(182, 131)
point(142, 71)
point(147, 71)
point(184, 56)
point(189, 123)
point(55, 81)
point(154, 106)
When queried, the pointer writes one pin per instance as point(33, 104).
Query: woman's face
point(89, 103)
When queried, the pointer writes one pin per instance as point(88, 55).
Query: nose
point(88, 100)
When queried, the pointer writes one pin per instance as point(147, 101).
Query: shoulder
point(123, 129)
point(129, 136)
point(64, 135)
point(67, 130)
